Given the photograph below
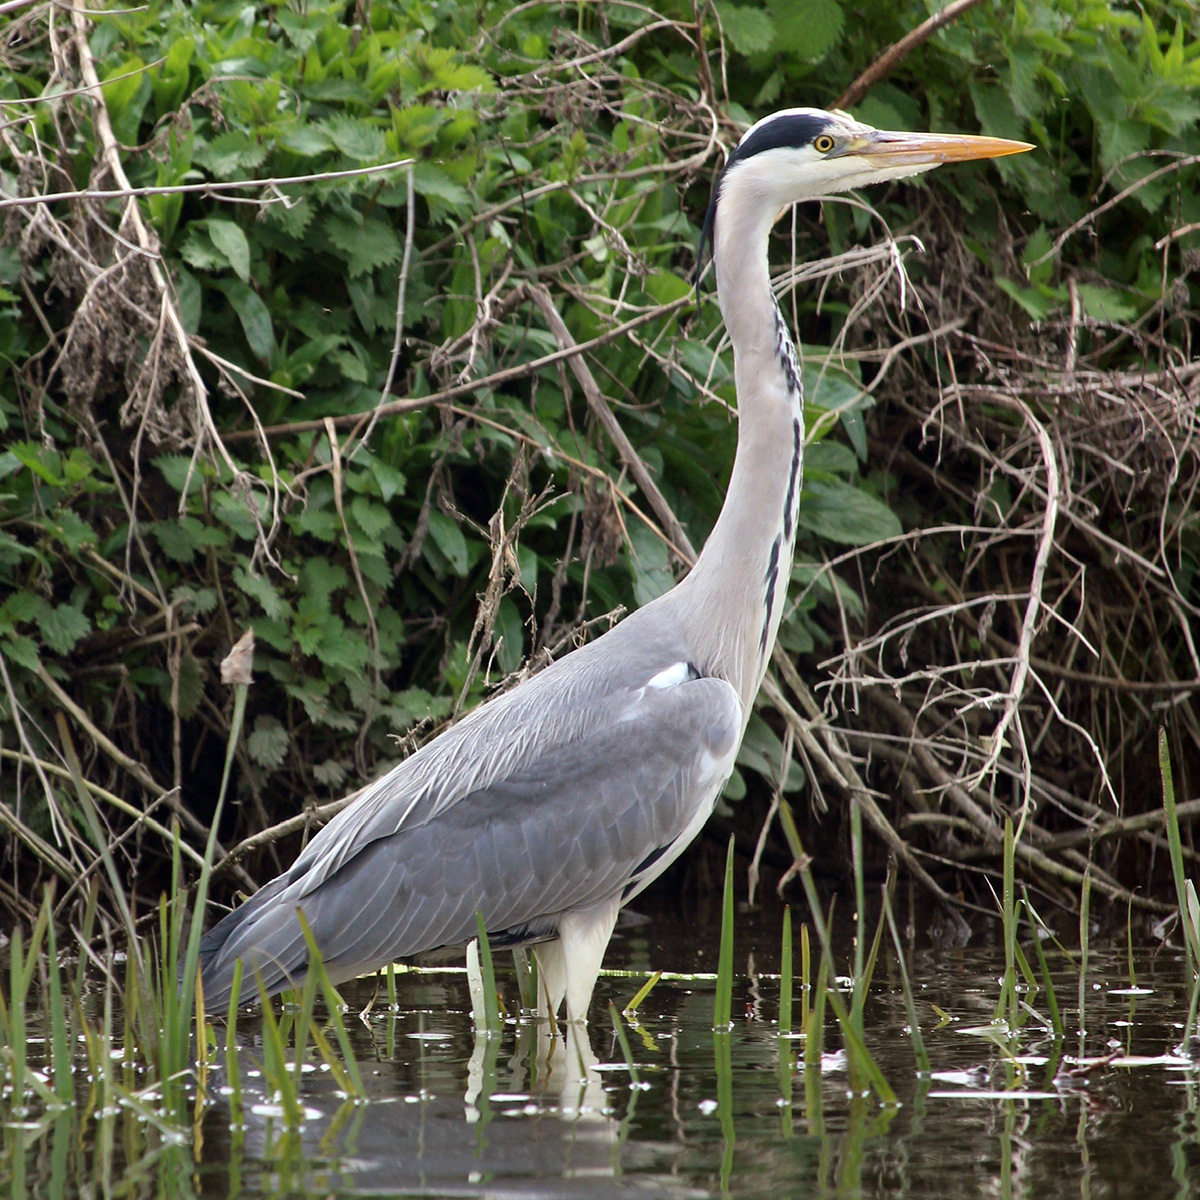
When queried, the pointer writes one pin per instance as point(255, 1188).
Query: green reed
point(861, 1063)
point(233, 1075)
point(491, 998)
point(631, 1008)
point(910, 1005)
point(723, 999)
point(1085, 933)
point(333, 1002)
point(276, 1076)
point(785, 974)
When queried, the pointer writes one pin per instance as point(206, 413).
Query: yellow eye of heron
point(823, 143)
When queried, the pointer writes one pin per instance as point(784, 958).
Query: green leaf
point(367, 246)
point(254, 316)
point(321, 578)
point(71, 530)
point(21, 606)
point(63, 626)
point(259, 588)
point(44, 463)
point(463, 77)
point(177, 539)
point(808, 29)
point(191, 686)
point(430, 181)
point(391, 482)
point(749, 30)
point(372, 518)
point(268, 744)
point(1104, 304)
point(234, 512)
point(231, 154)
point(843, 513)
point(180, 470)
point(355, 138)
point(119, 93)
point(21, 650)
point(762, 751)
point(307, 141)
point(330, 772)
point(652, 574)
point(508, 634)
point(449, 540)
point(228, 238)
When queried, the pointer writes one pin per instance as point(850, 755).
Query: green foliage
point(360, 570)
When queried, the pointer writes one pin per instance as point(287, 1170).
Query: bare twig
point(211, 188)
point(887, 61)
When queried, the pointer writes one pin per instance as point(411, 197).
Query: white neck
point(736, 591)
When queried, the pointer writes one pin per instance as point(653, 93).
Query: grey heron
point(552, 805)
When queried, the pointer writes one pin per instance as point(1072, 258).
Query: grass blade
point(491, 1005)
point(785, 974)
point(723, 1001)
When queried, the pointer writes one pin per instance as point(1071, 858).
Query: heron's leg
point(552, 979)
point(585, 934)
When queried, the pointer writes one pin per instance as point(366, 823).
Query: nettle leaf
point(259, 588)
point(391, 481)
point(177, 539)
point(44, 463)
point(367, 246)
point(1104, 304)
point(337, 650)
point(355, 138)
point(180, 470)
point(71, 530)
point(462, 77)
point(198, 250)
point(749, 30)
point(230, 154)
point(321, 579)
point(21, 606)
point(21, 650)
point(292, 220)
point(430, 181)
point(268, 744)
point(63, 626)
point(807, 28)
point(372, 518)
point(307, 141)
point(331, 773)
point(234, 512)
point(843, 513)
point(200, 601)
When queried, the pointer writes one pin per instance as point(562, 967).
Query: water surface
point(1107, 1113)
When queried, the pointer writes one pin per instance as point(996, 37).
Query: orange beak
point(881, 148)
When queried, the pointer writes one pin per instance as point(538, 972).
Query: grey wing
point(580, 823)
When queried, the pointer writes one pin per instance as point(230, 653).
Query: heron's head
point(804, 153)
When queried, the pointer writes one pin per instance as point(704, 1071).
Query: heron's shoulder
point(575, 698)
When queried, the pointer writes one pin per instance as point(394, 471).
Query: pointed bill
point(882, 148)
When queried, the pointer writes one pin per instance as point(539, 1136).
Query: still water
point(1112, 1112)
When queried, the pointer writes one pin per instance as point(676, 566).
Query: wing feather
point(562, 828)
